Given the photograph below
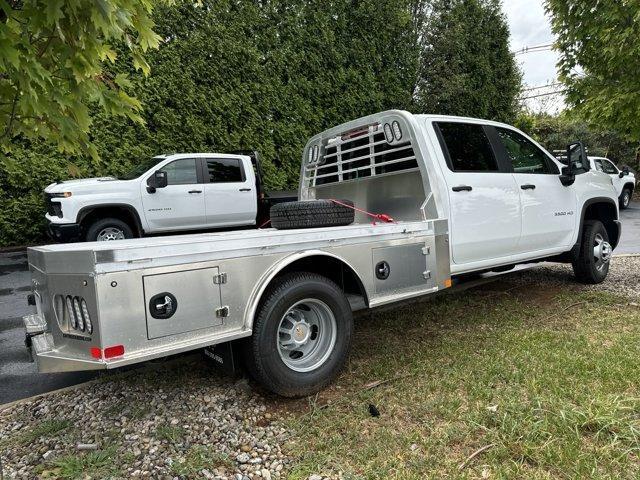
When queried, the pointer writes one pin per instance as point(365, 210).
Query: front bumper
point(64, 232)
point(42, 351)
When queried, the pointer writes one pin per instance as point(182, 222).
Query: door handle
point(245, 189)
point(195, 191)
point(462, 188)
point(528, 186)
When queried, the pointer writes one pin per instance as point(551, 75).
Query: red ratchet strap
point(265, 223)
point(383, 217)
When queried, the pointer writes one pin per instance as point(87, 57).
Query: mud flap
point(224, 357)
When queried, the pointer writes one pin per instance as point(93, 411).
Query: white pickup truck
point(434, 197)
point(623, 180)
point(167, 193)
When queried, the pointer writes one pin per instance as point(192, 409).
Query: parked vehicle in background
point(167, 193)
point(624, 181)
point(448, 196)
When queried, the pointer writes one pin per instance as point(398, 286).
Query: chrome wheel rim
point(601, 251)
point(625, 199)
point(109, 234)
point(306, 335)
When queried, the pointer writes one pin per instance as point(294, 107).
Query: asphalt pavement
point(18, 375)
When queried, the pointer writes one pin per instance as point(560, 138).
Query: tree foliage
point(599, 45)
point(467, 68)
point(52, 66)
point(555, 132)
point(237, 74)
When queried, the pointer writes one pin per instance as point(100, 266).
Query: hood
point(80, 184)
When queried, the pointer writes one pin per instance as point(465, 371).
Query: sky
point(530, 26)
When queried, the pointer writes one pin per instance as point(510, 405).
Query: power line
point(548, 85)
point(534, 48)
point(557, 92)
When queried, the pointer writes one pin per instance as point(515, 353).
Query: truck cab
point(166, 193)
point(624, 181)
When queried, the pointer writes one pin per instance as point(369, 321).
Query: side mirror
point(567, 177)
point(625, 171)
point(576, 160)
point(157, 180)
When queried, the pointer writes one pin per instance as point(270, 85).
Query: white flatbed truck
point(450, 196)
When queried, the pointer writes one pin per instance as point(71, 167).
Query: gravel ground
point(181, 420)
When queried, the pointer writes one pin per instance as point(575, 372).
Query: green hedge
point(258, 75)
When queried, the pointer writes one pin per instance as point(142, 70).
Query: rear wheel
point(301, 335)
point(592, 264)
point(108, 229)
point(625, 199)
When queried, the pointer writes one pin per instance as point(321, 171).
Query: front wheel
point(301, 335)
point(592, 264)
point(625, 199)
point(108, 229)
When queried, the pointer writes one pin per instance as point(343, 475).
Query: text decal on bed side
point(561, 214)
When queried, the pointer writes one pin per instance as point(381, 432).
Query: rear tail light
point(388, 133)
point(73, 320)
point(78, 312)
point(114, 351)
point(109, 352)
point(87, 318)
point(73, 313)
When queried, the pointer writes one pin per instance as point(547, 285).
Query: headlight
point(72, 317)
point(78, 312)
point(396, 130)
point(87, 318)
point(388, 134)
point(60, 195)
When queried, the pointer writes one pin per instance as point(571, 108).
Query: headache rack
point(365, 152)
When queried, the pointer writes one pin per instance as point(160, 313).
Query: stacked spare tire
point(312, 214)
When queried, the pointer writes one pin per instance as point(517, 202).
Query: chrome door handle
point(245, 189)
point(195, 191)
point(462, 188)
point(528, 186)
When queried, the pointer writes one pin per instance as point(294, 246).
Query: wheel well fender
point(331, 266)
point(605, 210)
point(631, 186)
point(122, 211)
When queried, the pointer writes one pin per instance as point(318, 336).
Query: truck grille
point(363, 154)
point(53, 208)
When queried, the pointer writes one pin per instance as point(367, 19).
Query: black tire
point(262, 349)
point(311, 214)
point(587, 267)
point(625, 198)
point(99, 226)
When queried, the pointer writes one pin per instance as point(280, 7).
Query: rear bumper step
point(42, 349)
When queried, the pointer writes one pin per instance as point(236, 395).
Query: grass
point(170, 433)
point(198, 458)
point(543, 391)
point(98, 464)
point(45, 428)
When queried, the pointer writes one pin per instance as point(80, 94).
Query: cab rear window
point(466, 147)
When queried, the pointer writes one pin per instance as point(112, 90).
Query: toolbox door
point(181, 302)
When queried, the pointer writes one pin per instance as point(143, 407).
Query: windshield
point(140, 168)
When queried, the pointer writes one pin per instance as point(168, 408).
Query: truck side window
point(181, 172)
point(524, 155)
point(608, 167)
point(467, 147)
point(598, 164)
point(225, 170)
